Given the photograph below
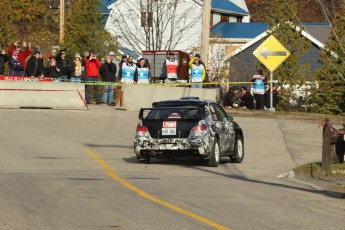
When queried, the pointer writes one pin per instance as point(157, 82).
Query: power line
point(329, 21)
point(322, 50)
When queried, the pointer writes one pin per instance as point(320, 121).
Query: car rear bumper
point(158, 147)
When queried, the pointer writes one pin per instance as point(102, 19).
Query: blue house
point(244, 38)
point(105, 10)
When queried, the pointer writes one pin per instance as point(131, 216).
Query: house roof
point(320, 31)
point(235, 30)
point(105, 4)
point(227, 6)
point(314, 38)
point(124, 50)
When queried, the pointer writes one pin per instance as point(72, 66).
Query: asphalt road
point(77, 170)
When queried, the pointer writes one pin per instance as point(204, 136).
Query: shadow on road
point(109, 146)
point(327, 193)
point(178, 161)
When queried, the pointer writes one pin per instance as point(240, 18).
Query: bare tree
point(155, 24)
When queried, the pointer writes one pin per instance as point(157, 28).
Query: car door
point(220, 126)
point(228, 129)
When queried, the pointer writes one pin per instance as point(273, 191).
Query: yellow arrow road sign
point(271, 53)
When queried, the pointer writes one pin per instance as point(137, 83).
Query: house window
point(146, 19)
point(225, 18)
point(146, 15)
point(216, 18)
point(232, 19)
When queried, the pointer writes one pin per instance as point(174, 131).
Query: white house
point(168, 24)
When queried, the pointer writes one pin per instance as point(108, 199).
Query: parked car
point(188, 127)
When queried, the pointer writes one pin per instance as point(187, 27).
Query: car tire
point(215, 155)
point(238, 155)
point(140, 159)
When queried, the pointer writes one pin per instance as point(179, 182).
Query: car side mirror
point(230, 118)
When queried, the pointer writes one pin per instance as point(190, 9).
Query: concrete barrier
point(139, 96)
point(53, 95)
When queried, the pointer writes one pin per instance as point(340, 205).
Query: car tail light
point(199, 130)
point(142, 131)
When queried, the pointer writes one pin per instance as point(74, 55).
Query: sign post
point(271, 53)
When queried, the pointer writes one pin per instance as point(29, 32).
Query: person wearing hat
point(170, 68)
point(92, 75)
point(123, 60)
point(198, 72)
point(22, 54)
point(259, 81)
point(129, 71)
point(15, 67)
point(78, 64)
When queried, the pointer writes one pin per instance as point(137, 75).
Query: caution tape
point(164, 84)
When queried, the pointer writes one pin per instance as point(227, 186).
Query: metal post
point(271, 93)
point(62, 20)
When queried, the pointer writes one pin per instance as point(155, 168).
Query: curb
point(291, 177)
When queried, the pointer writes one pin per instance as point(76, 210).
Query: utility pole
point(205, 31)
point(62, 20)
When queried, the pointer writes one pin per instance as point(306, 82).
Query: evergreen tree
point(284, 26)
point(84, 30)
point(329, 96)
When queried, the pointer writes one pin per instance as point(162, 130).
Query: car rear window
point(172, 113)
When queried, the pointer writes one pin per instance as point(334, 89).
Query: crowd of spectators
point(90, 69)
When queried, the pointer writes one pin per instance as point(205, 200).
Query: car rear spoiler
point(200, 111)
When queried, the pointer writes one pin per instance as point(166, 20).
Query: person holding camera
point(92, 75)
point(259, 81)
point(22, 51)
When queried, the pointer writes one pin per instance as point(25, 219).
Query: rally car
point(188, 127)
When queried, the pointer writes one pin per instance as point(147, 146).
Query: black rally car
point(188, 127)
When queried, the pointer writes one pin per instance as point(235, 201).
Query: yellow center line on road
point(142, 193)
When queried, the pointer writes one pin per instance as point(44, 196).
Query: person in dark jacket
point(66, 66)
point(108, 74)
point(123, 60)
point(247, 101)
point(231, 98)
point(23, 53)
point(53, 70)
point(3, 59)
point(15, 67)
point(35, 67)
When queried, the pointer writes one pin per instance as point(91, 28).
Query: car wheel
point(140, 159)
point(239, 151)
point(215, 155)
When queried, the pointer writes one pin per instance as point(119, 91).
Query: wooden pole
point(62, 20)
point(205, 31)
